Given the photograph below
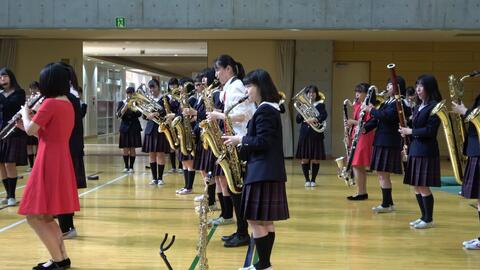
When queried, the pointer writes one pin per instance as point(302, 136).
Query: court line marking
point(6, 228)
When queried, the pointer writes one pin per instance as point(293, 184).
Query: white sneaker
point(213, 220)
point(223, 221)
point(125, 170)
point(381, 209)
point(161, 182)
point(11, 202)
point(131, 170)
point(415, 222)
point(154, 182)
point(198, 198)
point(179, 190)
point(172, 170)
point(469, 242)
point(423, 225)
point(179, 170)
point(313, 184)
point(251, 267)
point(72, 233)
point(185, 192)
point(307, 184)
point(473, 244)
point(213, 207)
point(4, 201)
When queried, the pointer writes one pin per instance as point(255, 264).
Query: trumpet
point(10, 127)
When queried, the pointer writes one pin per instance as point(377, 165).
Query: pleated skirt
point(130, 139)
point(266, 201)
point(310, 148)
point(471, 179)
point(386, 159)
point(14, 150)
point(155, 142)
point(423, 171)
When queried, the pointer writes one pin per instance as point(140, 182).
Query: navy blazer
point(386, 121)
point(76, 139)
point(152, 126)
point(263, 146)
point(471, 147)
point(201, 115)
point(130, 120)
point(11, 105)
point(306, 131)
point(424, 132)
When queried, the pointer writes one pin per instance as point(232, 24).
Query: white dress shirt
point(234, 91)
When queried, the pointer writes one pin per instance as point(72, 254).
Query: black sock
point(125, 161)
point(420, 204)
point(191, 179)
point(153, 168)
point(65, 221)
point(211, 194)
point(479, 219)
point(222, 203)
point(132, 161)
point(387, 197)
point(12, 185)
point(160, 171)
point(242, 225)
point(31, 159)
point(228, 213)
point(172, 160)
point(315, 168)
point(6, 185)
point(185, 178)
point(428, 202)
point(306, 171)
point(263, 246)
point(271, 240)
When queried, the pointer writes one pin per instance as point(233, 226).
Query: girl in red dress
point(51, 189)
point(363, 152)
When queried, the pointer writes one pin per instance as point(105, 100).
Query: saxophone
point(183, 126)
point(164, 127)
point(203, 228)
point(234, 176)
point(474, 117)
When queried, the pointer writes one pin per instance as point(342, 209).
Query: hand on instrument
point(232, 140)
point(215, 115)
point(19, 124)
point(311, 121)
point(352, 122)
point(152, 115)
point(459, 108)
point(404, 131)
point(26, 112)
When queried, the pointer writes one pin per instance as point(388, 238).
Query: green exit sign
point(120, 22)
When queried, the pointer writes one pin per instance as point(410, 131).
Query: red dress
point(363, 153)
point(51, 188)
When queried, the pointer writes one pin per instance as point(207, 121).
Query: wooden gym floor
point(123, 220)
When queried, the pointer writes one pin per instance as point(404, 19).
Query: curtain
point(7, 53)
point(286, 68)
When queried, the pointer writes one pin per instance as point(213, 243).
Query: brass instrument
point(474, 117)
point(147, 105)
point(211, 133)
point(128, 104)
point(203, 227)
point(167, 128)
point(346, 138)
point(234, 175)
point(11, 125)
point(306, 108)
point(183, 126)
point(346, 172)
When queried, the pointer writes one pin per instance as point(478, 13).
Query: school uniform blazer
point(11, 105)
point(201, 115)
point(424, 132)
point(471, 147)
point(386, 121)
point(263, 146)
point(306, 131)
point(130, 120)
point(152, 126)
point(76, 139)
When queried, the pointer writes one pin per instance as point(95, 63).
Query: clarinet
point(10, 127)
point(347, 174)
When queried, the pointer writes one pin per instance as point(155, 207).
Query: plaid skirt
point(155, 142)
point(130, 139)
point(312, 149)
point(204, 160)
point(471, 179)
point(423, 172)
point(386, 159)
point(266, 201)
point(32, 140)
point(14, 150)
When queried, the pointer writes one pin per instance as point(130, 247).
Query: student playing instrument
point(264, 199)
point(423, 167)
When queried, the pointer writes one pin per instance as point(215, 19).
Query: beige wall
point(414, 59)
point(32, 55)
point(251, 53)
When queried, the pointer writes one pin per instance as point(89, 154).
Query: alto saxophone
point(183, 126)
point(203, 228)
point(166, 128)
